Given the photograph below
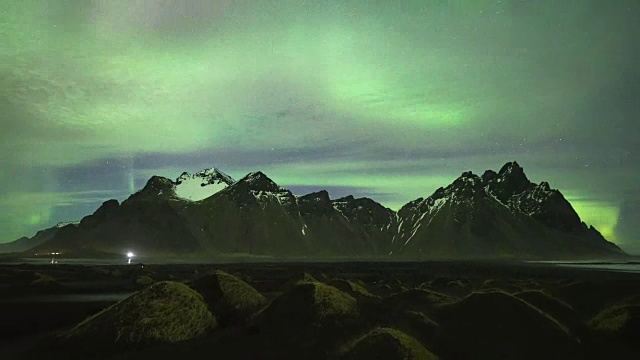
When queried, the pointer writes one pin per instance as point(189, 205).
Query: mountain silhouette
point(497, 215)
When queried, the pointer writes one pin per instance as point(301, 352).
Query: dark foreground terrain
point(446, 310)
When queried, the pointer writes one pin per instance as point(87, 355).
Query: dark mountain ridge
point(497, 215)
point(26, 243)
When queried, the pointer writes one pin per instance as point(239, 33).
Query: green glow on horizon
point(601, 215)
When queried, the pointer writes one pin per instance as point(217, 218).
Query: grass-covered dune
point(425, 301)
point(388, 344)
point(499, 325)
point(318, 312)
point(229, 298)
point(166, 312)
point(311, 302)
point(620, 322)
point(308, 320)
point(558, 309)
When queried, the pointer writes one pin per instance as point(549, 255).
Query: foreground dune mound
point(543, 300)
point(144, 280)
point(421, 300)
point(621, 322)
point(416, 325)
point(574, 294)
point(389, 344)
point(308, 321)
point(354, 288)
point(504, 285)
point(311, 302)
point(45, 283)
point(229, 298)
point(589, 297)
point(165, 312)
point(499, 325)
point(299, 278)
point(449, 286)
point(551, 305)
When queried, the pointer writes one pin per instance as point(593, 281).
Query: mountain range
point(26, 243)
point(208, 214)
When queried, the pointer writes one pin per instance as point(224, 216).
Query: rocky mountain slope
point(496, 215)
point(26, 243)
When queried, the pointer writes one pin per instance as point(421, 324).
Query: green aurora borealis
point(378, 98)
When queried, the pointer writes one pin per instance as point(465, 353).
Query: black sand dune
point(166, 312)
point(445, 310)
point(231, 299)
point(387, 343)
point(504, 326)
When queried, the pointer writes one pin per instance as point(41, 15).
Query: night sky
point(377, 98)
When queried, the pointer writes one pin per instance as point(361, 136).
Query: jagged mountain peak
point(258, 188)
point(509, 181)
point(158, 182)
point(495, 213)
point(514, 173)
point(317, 196)
point(348, 198)
point(211, 171)
point(466, 186)
point(315, 202)
point(257, 181)
point(467, 179)
point(511, 167)
point(208, 176)
point(156, 186)
point(364, 210)
point(202, 184)
point(256, 175)
point(544, 186)
point(488, 176)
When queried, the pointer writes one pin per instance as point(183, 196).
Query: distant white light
point(130, 254)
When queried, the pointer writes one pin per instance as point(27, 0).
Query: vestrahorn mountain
point(208, 214)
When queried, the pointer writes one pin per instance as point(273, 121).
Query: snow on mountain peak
point(256, 176)
point(259, 181)
point(202, 184)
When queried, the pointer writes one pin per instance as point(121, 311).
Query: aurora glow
point(376, 98)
